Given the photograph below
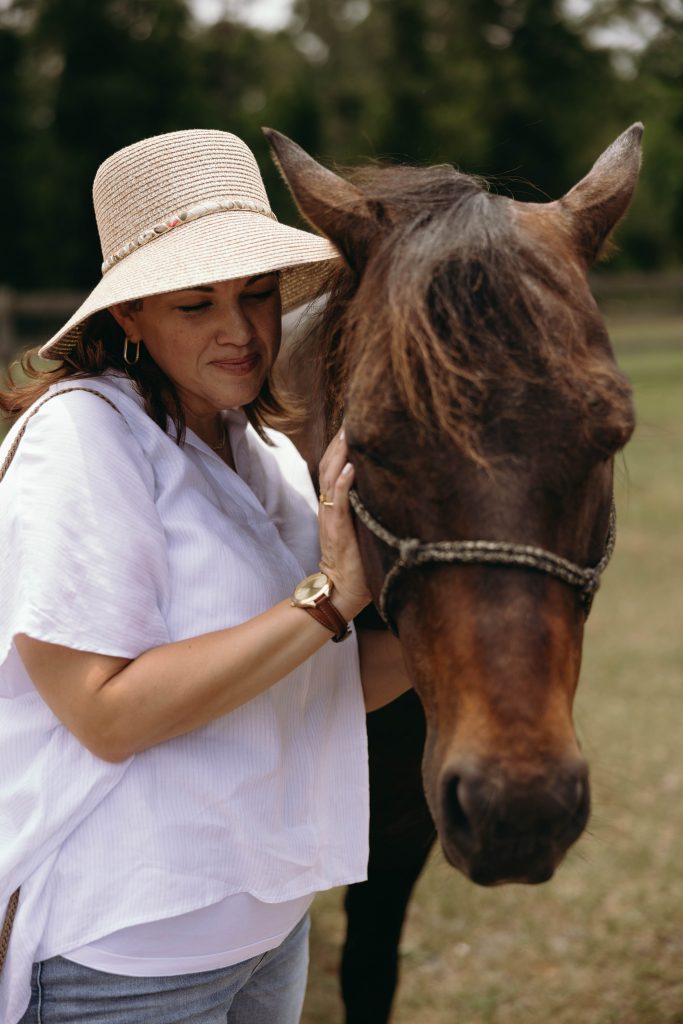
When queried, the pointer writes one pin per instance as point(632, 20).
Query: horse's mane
point(462, 323)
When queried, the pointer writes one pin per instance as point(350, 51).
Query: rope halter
point(413, 552)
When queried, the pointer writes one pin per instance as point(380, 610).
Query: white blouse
point(114, 540)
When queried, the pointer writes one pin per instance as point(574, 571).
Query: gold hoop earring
point(126, 358)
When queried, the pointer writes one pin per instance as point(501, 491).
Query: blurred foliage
point(521, 91)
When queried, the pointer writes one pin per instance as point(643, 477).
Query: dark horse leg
point(401, 836)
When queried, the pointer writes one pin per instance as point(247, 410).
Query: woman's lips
point(238, 367)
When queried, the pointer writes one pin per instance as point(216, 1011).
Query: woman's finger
point(345, 479)
point(341, 546)
point(332, 463)
point(340, 493)
point(337, 532)
point(336, 527)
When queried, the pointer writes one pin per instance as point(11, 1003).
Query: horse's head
point(482, 403)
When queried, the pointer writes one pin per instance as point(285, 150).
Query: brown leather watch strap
point(324, 612)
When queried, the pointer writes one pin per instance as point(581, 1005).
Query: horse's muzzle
point(498, 829)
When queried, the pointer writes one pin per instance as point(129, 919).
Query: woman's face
point(216, 342)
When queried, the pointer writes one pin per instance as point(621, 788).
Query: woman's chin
point(238, 389)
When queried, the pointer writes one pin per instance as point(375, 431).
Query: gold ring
point(327, 504)
point(324, 499)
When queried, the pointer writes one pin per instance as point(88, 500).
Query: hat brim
point(214, 248)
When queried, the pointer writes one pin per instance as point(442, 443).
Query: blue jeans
point(267, 989)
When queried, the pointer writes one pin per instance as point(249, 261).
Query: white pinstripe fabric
point(114, 539)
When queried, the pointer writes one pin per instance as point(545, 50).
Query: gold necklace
point(221, 444)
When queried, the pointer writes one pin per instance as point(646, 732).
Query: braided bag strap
point(14, 898)
point(64, 391)
point(7, 926)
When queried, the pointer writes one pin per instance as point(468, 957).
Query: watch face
point(311, 588)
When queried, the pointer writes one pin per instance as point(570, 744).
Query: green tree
point(653, 233)
point(248, 79)
point(97, 76)
point(517, 90)
point(13, 114)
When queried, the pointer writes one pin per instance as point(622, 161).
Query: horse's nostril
point(457, 818)
point(481, 804)
point(583, 800)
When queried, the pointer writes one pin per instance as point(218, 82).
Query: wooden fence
point(30, 318)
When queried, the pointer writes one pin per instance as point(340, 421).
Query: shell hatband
point(183, 217)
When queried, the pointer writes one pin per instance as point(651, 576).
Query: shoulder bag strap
point(63, 391)
point(7, 925)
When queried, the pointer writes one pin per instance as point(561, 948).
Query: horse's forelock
point(459, 313)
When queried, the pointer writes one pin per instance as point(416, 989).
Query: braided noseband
point(413, 552)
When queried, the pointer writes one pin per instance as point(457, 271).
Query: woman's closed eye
point(195, 308)
point(260, 296)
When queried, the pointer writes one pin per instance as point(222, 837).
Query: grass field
point(602, 943)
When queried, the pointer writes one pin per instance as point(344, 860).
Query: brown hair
point(100, 348)
point(476, 324)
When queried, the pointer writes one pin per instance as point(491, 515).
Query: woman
point(183, 751)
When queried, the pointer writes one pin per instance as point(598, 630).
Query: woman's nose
point(234, 327)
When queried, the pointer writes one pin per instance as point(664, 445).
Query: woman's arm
point(117, 707)
point(382, 669)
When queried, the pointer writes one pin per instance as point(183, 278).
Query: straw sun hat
point(184, 209)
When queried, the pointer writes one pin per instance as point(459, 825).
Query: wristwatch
point(313, 595)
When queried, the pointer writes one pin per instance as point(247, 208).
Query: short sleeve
point(84, 555)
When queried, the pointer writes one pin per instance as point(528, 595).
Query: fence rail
point(28, 319)
point(650, 293)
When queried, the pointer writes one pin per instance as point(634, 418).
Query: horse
point(483, 407)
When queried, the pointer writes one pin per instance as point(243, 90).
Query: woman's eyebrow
point(209, 289)
point(257, 277)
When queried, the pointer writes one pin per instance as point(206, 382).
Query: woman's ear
point(124, 314)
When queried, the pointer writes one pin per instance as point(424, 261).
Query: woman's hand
point(340, 557)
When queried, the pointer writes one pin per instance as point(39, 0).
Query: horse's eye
point(377, 458)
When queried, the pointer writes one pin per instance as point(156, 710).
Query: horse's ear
point(600, 200)
point(327, 201)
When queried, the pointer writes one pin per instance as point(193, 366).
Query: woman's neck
point(213, 431)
